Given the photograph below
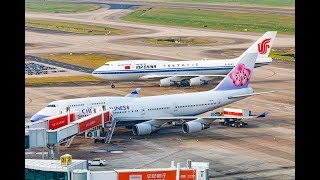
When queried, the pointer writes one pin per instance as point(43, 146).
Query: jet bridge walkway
point(62, 128)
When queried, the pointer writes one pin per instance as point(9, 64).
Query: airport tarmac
point(265, 149)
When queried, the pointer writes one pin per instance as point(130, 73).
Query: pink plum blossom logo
point(240, 75)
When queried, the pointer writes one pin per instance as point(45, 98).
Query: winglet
point(134, 93)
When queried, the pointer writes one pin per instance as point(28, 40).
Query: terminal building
point(43, 169)
point(52, 131)
point(40, 169)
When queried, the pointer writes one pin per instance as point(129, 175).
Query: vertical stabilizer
point(262, 46)
point(240, 75)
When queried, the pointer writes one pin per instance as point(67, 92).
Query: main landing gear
point(112, 85)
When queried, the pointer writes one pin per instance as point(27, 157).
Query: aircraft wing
point(213, 118)
point(190, 118)
point(154, 76)
point(251, 94)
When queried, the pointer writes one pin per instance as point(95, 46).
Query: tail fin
point(263, 46)
point(134, 93)
point(239, 76)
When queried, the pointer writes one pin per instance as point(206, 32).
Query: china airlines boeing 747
point(183, 73)
point(148, 114)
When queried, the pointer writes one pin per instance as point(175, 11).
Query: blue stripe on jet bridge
point(161, 70)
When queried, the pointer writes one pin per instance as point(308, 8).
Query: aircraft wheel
point(113, 86)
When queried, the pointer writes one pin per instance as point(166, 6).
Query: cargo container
point(236, 112)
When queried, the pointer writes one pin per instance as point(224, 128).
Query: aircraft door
point(174, 108)
point(142, 111)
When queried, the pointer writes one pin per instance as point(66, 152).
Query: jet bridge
point(64, 133)
point(62, 128)
point(53, 122)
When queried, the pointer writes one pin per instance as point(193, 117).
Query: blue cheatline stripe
point(163, 70)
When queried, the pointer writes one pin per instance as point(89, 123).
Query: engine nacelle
point(170, 81)
point(198, 81)
point(190, 127)
point(143, 129)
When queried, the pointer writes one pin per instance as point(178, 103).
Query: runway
point(110, 43)
point(284, 11)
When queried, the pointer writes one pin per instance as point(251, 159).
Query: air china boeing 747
point(148, 114)
point(183, 73)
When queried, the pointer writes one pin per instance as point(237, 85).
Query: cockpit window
point(51, 105)
point(106, 64)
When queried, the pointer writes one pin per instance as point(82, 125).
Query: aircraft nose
point(96, 73)
point(37, 117)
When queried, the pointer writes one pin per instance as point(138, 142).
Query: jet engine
point(170, 81)
point(143, 129)
point(194, 126)
point(198, 81)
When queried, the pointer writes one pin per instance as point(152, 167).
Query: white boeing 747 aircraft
point(148, 114)
point(181, 73)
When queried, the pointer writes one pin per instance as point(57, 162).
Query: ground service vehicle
point(97, 162)
point(234, 112)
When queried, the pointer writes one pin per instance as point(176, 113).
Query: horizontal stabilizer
point(263, 114)
point(251, 94)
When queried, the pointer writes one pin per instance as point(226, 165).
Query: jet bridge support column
point(51, 151)
point(102, 115)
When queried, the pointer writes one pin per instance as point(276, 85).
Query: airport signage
point(66, 159)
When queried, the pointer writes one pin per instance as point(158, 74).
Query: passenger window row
point(193, 105)
point(154, 109)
